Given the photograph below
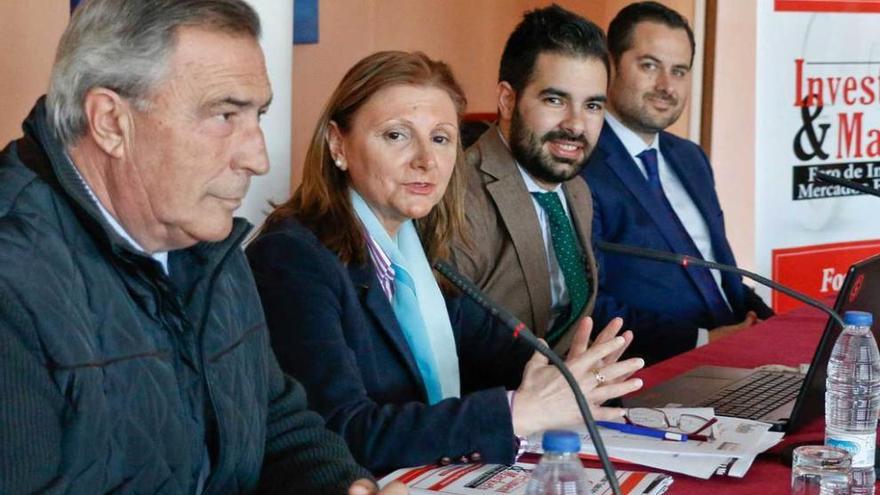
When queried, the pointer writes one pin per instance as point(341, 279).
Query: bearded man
point(528, 210)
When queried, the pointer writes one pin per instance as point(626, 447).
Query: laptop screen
point(860, 292)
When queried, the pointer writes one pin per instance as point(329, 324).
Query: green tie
point(570, 261)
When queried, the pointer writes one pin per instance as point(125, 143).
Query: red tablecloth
point(788, 339)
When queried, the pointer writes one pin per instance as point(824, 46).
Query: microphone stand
point(686, 261)
point(520, 330)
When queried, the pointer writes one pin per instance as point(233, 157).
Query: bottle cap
point(561, 441)
point(858, 318)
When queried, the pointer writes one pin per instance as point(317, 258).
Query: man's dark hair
point(621, 27)
point(549, 30)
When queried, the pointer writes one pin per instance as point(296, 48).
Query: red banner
point(860, 6)
point(817, 271)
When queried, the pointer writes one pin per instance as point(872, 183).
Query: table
point(788, 339)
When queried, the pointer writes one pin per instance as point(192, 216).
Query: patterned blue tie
point(703, 278)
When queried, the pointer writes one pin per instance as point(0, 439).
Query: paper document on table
point(732, 438)
point(696, 466)
point(488, 479)
point(739, 466)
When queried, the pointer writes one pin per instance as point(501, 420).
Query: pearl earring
point(340, 164)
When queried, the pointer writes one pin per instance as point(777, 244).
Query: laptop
point(785, 399)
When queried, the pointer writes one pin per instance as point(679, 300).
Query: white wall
point(733, 123)
point(277, 42)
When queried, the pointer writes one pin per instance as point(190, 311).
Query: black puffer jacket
point(114, 376)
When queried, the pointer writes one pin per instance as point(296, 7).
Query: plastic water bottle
point(852, 397)
point(560, 471)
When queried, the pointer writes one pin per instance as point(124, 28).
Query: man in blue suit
point(655, 190)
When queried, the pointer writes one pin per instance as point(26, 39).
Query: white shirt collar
point(533, 186)
point(161, 257)
point(631, 141)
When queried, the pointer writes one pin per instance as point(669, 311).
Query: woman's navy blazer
point(333, 328)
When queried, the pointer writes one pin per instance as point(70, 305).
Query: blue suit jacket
point(660, 302)
point(333, 328)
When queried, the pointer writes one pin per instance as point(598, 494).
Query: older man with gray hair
point(135, 357)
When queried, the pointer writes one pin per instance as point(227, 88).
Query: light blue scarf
point(418, 304)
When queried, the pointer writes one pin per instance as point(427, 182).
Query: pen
point(643, 431)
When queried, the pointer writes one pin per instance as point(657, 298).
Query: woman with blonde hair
point(403, 368)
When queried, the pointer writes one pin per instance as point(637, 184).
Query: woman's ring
point(600, 378)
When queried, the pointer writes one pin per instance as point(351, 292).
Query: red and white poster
point(817, 111)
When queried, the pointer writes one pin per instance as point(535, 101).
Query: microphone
point(685, 261)
point(822, 176)
point(520, 330)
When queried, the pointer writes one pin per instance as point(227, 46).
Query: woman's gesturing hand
point(544, 400)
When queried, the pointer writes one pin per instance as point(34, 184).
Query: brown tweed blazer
point(505, 256)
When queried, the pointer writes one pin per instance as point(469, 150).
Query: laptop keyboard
point(755, 395)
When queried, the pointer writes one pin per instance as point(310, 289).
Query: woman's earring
point(340, 164)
